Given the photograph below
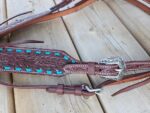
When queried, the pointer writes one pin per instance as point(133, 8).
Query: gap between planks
point(71, 38)
point(10, 75)
point(10, 107)
point(74, 45)
point(126, 26)
point(16, 93)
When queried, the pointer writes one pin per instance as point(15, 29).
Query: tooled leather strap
point(106, 70)
point(48, 15)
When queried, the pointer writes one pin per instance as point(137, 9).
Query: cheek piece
point(57, 63)
point(54, 12)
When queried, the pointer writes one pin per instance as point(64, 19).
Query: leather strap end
point(134, 86)
point(74, 90)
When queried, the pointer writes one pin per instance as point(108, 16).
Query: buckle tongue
point(92, 90)
point(115, 60)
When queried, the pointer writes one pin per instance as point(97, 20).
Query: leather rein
point(52, 13)
point(58, 63)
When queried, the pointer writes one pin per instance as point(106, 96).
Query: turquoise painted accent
point(9, 50)
point(73, 61)
point(47, 53)
point(1, 49)
point(28, 70)
point(49, 72)
point(66, 57)
point(18, 69)
point(59, 72)
point(19, 50)
point(38, 52)
point(7, 68)
point(28, 51)
point(57, 54)
point(39, 70)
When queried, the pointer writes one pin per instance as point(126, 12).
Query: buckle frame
point(115, 60)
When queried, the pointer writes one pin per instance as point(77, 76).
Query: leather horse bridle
point(58, 63)
point(52, 13)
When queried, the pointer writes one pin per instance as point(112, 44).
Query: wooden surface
point(101, 30)
point(6, 95)
point(135, 20)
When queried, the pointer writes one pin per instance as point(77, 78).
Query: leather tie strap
point(9, 19)
point(78, 90)
point(126, 79)
point(142, 4)
point(132, 87)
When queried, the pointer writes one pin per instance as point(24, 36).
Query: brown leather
point(140, 5)
point(131, 87)
point(125, 79)
point(14, 17)
point(106, 70)
point(57, 60)
point(47, 15)
point(76, 90)
point(66, 64)
point(60, 89)
point(22, 42)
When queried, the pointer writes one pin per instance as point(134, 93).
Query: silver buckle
point(91, 90)
point(115, 60)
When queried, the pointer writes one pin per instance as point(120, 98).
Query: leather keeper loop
point(91, 69)
point(60, 89)
point(78, 91)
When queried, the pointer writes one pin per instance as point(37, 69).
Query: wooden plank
point(98, 33)
point(2, 10)
point(134, 19)
point(6, 94)
point(55, 36)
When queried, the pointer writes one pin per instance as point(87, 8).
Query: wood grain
point(56, 37)
point(6, 94)
point(98, 33)
point(134, 19)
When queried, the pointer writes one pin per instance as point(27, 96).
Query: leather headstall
point(57, 63)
